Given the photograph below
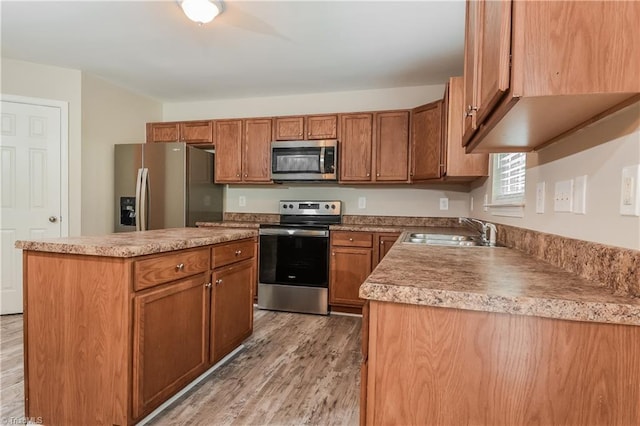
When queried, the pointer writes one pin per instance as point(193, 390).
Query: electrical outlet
point(444, 204)
point(362, 202)
point(540, 192)
point(630, 191)
point(242, 201)
point(580, 194)
point(562, 200)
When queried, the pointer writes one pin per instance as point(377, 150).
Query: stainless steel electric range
point(294, 257)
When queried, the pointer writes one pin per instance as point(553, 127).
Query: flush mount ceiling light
point(201, 11)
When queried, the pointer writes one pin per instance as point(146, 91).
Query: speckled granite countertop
point(493, 280)
point(388, 228)
point(229, 224)
point(131, 244)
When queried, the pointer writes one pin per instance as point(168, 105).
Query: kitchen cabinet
point(356, 147)
point(127, 333)
point(234, 279)
point(353, 257)
point(167, 355)
point(537, 71)
point(306, 127)
point(458, 165)
point(196, 132)
point(243, 150)
point(374, 147)
point(426, 142)
point(392, 147)
point(476, 367)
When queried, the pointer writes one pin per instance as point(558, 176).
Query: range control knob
point(290, 206)
point(326, 206)
point(333, 206)
point(284, 206)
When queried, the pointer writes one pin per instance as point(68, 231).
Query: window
point(508, 178)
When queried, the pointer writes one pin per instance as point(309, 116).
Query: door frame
point(64, 150)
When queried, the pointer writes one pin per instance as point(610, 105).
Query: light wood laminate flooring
point(295, 369)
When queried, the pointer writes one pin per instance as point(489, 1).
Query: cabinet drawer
point(233, 252)
point(352, 239)
point(169, 267)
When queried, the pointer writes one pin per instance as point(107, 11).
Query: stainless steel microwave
point(304, 160)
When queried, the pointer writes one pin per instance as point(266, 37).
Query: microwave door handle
point(322, 159)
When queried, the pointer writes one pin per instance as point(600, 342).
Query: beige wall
point(110, 115)
point(600, 152)
point(394, 201)
point(42, 81)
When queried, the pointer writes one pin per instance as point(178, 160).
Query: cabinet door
point(356, 132)
point(470, 69)
point(322, 127)
point(170, 340)
point(231, 307)
point(392, 146)
point(228, 137)
point(459, 164)
point(289, 128)
point(494, 48)
point(257, 150)
point(350, 266)
point(196, 131)
point(385, 242)
point(426, 142)
point(163, 132)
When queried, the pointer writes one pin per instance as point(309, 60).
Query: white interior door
point(30, 181)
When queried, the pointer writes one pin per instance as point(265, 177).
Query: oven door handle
point(294, 232)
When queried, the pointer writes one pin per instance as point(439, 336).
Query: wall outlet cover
point(540, 193)
point(630, 191)
point(580, 194)
point(242, 201)
point(362, 202)
point(563, 196)
point(444, 204)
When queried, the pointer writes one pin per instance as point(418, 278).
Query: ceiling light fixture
point(201, 11)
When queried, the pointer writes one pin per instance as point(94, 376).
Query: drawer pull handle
point(179, 266)
point(238, 252)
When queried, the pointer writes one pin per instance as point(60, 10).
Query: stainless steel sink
point(444, 240)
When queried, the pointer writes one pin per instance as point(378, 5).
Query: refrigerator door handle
point(144, 199)
point(138, 195)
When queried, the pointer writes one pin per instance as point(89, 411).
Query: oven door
point(295, 257)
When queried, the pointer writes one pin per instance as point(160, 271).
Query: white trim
point(190, 386)
point(64, 150)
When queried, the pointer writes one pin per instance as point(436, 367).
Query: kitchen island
point(479, 335)
point(115, 325)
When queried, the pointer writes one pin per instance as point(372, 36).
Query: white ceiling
point(259, 48)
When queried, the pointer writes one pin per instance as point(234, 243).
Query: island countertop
point(131, 244)
point(493, 280)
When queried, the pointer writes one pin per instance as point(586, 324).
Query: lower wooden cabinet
point(231, 315)
point(122, 347)
point(170, 340)
point(353, 256)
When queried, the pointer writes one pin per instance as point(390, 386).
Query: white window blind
point(508, 177)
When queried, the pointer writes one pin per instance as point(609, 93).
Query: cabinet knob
point(368, 174)
point(381, 243)
point(208, 285)
point(237, 174)
point(245, 175)
point(333, 253)
point(219, 281)
point(238, 252)
point(351, 239)
point(377, 174)
point(309, 134)
point(179, 266)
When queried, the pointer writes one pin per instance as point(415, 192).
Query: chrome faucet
point(484, 226)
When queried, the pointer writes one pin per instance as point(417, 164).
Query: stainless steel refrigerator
point(164, 185)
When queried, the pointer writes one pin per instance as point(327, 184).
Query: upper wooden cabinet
point(243, 150)
point(566, 71)
point(426, 142)
point(197, 132)
point(458, 165)
point(374, 147)
point(306, 127)
point(356, 147)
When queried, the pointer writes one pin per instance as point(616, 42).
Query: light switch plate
point(563, 196)
point(580, 194)
point(362, 202)
point(444, 204)
point(540, 192)
point(630, 191)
